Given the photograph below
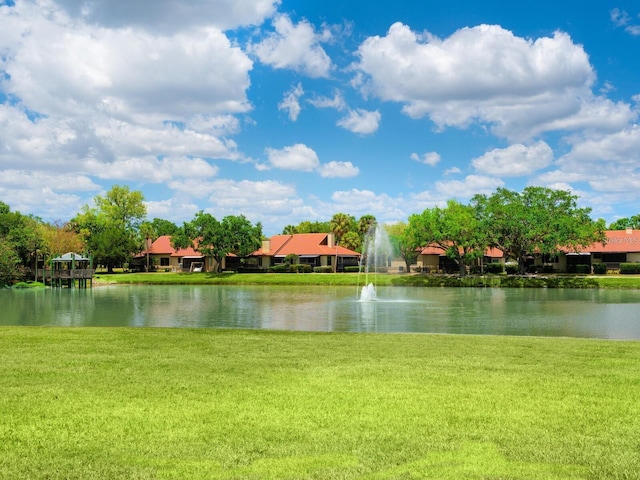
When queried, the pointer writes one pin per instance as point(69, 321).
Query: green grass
point(350, 279)
point(213, 404)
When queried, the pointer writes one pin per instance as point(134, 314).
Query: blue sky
point(287, 111)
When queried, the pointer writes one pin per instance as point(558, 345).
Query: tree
point(163, 227)
point(537, 221)
point(60, 238)
point(148, 235)
point(624, 223)
point(22, 234)
point(340, 224)
point(456, 230)
point(307, 227)
point(365, 223)
point(215, 239)
point(351, 240)
point(111, 228)
point(402, 244)
point(9, 264)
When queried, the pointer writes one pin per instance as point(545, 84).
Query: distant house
point(622, 246)
point(315, 249)
point(164, 257)
point(432, 259)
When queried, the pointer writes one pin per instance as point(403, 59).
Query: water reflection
point(541, 312)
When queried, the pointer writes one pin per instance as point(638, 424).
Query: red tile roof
point(162, 246)
point(309, 244)
point(618, 241)
point(434, 250)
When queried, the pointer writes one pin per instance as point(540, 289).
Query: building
point(164, 257)
point(433, 259)
point(315, 249)
point(621, 246)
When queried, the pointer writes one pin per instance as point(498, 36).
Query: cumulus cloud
point(297, 47)
point(487, 74)
point(171, 15)
point(294, 157)
point(429, 158)
point(361, 121)
point(338, 170)
point(515, 160)
point(291, 102)
point(467, 188)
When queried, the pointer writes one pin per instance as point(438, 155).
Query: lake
point(605, 314)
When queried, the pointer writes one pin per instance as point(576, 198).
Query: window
point(164, 262)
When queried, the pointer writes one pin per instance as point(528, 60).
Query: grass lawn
point(558, 281)
point(101, 403)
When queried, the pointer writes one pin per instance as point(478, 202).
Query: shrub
point(300, 268)
point(629, 268)
point(511, 268)
point(494, 268)
point(600, 268)
point(582, 269)
point(352, 269)
point(291, 259)
point(323, 269)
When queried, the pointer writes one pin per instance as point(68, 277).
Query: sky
point(285, 111)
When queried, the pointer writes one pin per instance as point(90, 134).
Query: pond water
point(607, 314)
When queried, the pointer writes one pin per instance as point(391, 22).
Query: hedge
point(629, 268)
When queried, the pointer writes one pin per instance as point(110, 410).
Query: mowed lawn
point(101, 403)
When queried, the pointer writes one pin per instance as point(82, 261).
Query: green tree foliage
point(351, 240)
point(455, 229)
point(9, 263)
point(538, 220)
point(111, 228)
point(307, 227)
point(23, 236)
point(163, 227)
point(340, 224)
point(217, 239)
point(402, 244)
point(624, 223)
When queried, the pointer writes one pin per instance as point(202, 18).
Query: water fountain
point(376, 251)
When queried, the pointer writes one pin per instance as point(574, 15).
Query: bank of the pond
point(350, 279)
point(109, 403)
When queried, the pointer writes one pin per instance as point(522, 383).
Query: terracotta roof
point(162, 246)
point(618, 241)
point(435, 250)
point(311, 244)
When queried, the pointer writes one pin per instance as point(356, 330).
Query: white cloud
point(338, 170)
point(518, 86)
point(291, 102)
point(515, 160)
point(467, 188)
point(295, 47)
point(429, 158)
point(172, 209)
point(171, 15)
point(294, 157)
point(337, 102)
point(361, 121)
point(153, 170)
point(622, 19)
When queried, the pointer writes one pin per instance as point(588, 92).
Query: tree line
point(537, 220)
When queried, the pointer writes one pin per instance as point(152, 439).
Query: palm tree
point(340, 224)
point(148, 233)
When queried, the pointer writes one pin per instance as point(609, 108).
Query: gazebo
point(68, 268)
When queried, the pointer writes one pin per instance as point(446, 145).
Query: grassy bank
point(212, 404)
point(351, 279)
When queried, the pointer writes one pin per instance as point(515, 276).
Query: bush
point(323, 269)
point(600, 268)
point(300, 268)
point(580, 269)
point(352, 269)
point(629, 268)
point(494, 268)
point(511, 268)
